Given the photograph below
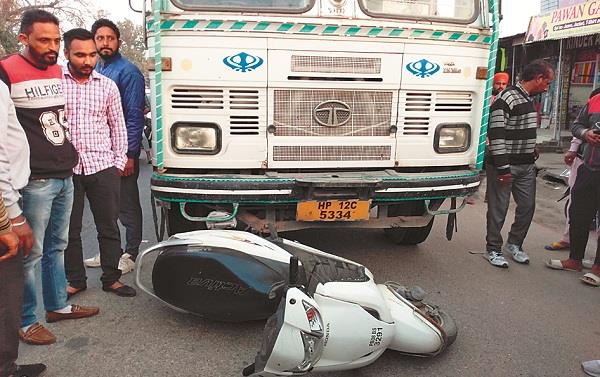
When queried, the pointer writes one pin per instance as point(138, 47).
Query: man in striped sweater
point(511, 167)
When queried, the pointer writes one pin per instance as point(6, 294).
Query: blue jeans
point(47, 205)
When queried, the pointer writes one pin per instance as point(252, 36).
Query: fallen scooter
point(324, 312)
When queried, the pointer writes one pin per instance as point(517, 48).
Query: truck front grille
point(418, 108)
point(336, 64)
point(332, 153)
point(371, 112)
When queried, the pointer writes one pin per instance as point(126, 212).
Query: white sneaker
point(518, 254)
point(496, 258)
point(126, 264)
point(93, 262)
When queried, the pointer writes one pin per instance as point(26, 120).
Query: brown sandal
point(566, 265)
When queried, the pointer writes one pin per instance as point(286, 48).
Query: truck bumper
point(277, 188)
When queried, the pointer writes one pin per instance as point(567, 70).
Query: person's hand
point(24, 232)
point(570, 157)
point(536, 153)
point(11, 241)
point(128, 169)
point(505, 179)
point(592, 138)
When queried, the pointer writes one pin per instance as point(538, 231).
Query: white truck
point(290, 114)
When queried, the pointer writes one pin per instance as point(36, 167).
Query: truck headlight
point(452, 138)
point(201, 138)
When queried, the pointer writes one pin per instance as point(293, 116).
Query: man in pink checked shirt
point(93, 110)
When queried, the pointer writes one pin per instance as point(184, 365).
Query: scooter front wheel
point(447, 323)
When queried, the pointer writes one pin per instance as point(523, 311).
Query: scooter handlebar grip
point(293, 270)
point(248, 370)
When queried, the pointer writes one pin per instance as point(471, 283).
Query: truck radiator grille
point(243, 125)
point(332, 153)
point(371, 112)
point(415, 126)
point(197, 98)
point(416, 109)
point(453, 102)
point(214, 99)
point(335, 64)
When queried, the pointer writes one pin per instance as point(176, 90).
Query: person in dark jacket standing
point(585, 194)
point(34, 80)
point(131, 84)
point(511, 168)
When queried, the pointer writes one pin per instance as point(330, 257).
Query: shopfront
point(584, 78)
point(576, 28)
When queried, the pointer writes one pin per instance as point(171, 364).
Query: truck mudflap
point(276, 188)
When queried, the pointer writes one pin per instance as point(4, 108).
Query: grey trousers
point(498, 195)
point(11, 297)
point(130, 214)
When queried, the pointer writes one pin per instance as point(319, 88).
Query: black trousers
point(103, 192)
point(585, 201)
point(131, 211)
point(11, 298)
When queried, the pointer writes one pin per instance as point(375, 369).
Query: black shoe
point(123, 291)
point(30, 370)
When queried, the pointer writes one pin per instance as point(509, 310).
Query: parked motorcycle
point(324, 312)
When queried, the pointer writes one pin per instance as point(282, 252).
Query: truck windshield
point(460, 11)
point(288, 6)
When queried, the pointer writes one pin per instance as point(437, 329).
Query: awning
point(572, 21)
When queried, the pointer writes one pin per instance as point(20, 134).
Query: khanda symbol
point(423, 68)
point(243, 62)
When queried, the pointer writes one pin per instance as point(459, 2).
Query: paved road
point(524, 321)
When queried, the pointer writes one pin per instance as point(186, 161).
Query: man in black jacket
point(585, 195)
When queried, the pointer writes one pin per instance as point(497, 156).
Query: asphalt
point(522, 321)
point(552, 166)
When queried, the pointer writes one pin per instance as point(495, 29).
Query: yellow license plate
point(333, 210)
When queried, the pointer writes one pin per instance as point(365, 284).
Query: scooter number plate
point(333, 210)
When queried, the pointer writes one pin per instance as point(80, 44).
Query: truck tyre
point(176, 223)
point(409, 236)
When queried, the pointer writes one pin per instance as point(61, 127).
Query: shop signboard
point(574, 20)
point(566, 3)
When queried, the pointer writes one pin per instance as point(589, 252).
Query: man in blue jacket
point(131, 84)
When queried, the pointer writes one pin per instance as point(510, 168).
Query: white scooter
point(326, 312)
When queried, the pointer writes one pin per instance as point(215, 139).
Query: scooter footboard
point(415, 334)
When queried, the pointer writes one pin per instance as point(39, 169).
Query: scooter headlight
point(313, 341)
point(314, 319)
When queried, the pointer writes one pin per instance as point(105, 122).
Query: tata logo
point(423, 68)
point(332, 113)
point(243, 62)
